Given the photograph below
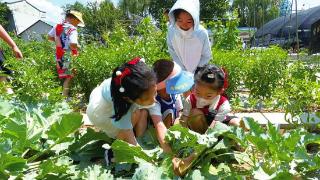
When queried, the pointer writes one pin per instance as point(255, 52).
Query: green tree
point(213, 8)
point(134, 7)
point(156, 8)
point(255, 13)
point(4, 12)
point(208, 8)
point(98, 17)
point(76, 6)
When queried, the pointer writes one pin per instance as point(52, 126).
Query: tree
point(134, 7)
point(76, 6)
point(4, 12)
point(255, 13)
point(157, 7)
point(208, 8)
point(99, 17)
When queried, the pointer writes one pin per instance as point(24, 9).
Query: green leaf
point(95, 172)
point(274, 133)
point(310, 138)
point(149, 139)
point(91, 150)
point(261, 174)
point(147, 171)
point(179, 137)
point(218, 129)
point(195, 175)
point(125, 152)
point(68, 124)
point(167, 166)
point(6, 108)
point(243, 158)
point(54, 168)
point(11, 163)
point(238, 135)
point(86, 137)
point(255, 128)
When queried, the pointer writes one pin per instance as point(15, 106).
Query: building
point(27, 21)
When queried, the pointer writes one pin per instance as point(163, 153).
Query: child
point(187, 40)
point(206, 105)
point(170, 105)
point(118, 106)
point(5, 36)
point(65, 36)
point(4, 70)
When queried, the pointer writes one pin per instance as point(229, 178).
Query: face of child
point(185, 21)
point(203, 90)
point(74, 21)
point(148, 97)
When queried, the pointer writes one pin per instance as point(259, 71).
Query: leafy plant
point(264, 70)
point(299, 93)
point(42, 141)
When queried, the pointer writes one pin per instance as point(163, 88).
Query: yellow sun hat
point(78, 15)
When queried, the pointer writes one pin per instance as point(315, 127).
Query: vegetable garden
point(43, 137)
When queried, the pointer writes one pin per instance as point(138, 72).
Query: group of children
point(186, 91)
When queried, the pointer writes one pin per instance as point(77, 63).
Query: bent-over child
point(171, 82)
point(207, 105)
point(119, 105)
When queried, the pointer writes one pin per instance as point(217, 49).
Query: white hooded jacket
point(191, 48)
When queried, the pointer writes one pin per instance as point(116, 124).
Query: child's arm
point(5, 36)
point(179, 108)
point(206, 54)
point(50, 38)
point(73, 37)
point(161, 131)
point(51, 34)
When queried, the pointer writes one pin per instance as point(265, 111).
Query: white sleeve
point(187, 107)
point(73, 37)
point(52, 32)
point(179, 105)
point(223, 111)
point(155, 110)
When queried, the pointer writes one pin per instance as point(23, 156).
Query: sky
point(55, 14)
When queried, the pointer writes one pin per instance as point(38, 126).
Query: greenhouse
point(283, 30)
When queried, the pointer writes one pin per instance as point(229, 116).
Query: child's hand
point(74, 71)
point(17, 52)
point(181, 166)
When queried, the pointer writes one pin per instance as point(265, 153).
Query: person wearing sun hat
point(171, 83)
point(65, 36)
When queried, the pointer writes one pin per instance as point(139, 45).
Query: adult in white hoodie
point(190, 48)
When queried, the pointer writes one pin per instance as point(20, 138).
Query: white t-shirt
point(71, 34)
point(223, 110)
